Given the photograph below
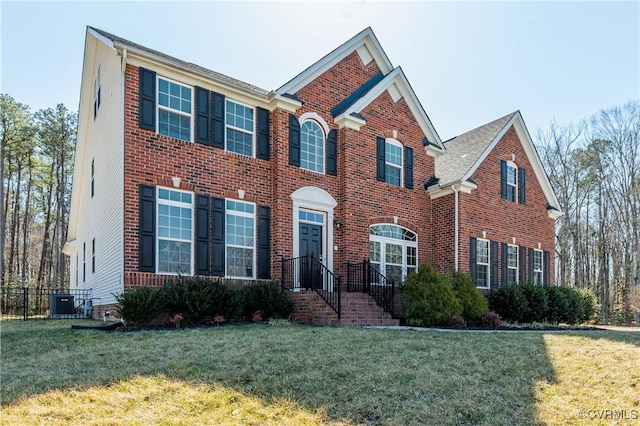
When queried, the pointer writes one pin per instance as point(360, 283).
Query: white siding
point(100, 140)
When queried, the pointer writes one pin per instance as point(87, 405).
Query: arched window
point(393, 251)
point(312, 146)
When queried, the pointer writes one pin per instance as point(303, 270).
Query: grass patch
point(262, 374)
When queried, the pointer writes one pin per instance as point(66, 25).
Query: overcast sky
point(468, 62)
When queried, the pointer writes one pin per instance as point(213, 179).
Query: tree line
point(36, 169)
point(593, 166)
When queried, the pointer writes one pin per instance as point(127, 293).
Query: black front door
point(311, 246)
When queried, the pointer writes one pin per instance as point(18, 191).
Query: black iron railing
point(309, 273)
point(24, 303)
point(367, 279)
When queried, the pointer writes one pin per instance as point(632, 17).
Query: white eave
point(398, 86)
point(437, 190)
point(365, 43)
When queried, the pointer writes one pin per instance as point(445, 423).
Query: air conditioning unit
point(61, 304)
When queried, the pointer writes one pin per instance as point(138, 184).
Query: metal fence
point(24, 303)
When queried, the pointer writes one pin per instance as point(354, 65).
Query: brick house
point(182, 171)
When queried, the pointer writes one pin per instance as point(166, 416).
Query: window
point(512, 264)
point(393, 162)
point(239, 123)
point(93, 256)
point(393, 251)
point(84, 262)
point(175, 231)
point(512, 182)
point(77, 268)
point(240, 239)
point(97, 89)
point(174, 109)
point(92, 177)
point(311, 147)
point(537, 267)
point(482, 265)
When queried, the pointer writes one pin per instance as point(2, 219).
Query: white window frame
point(514, 185)
point(486, 264)
point(174, 111)
point(514, 268)
point(405, 244)
point(157, 230)
point(226, 240)
point(322, 146)
point(538, 274)
point(238, 129)
point(391, 141)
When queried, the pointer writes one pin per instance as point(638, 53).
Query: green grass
point(262, 374)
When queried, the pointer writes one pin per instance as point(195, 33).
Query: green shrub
point(198, 298)
point(140, 305)
point(537, 303)
point(509, 302)
point(588, 301)
point(431, 299)
point(474, 304)
point(564, 305)
point(267, 298)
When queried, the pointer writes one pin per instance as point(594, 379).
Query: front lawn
point(260, 374)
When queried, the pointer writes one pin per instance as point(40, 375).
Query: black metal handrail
point(367, 279)
point(309, 273)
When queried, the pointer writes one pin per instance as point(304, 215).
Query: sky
point(468, 62)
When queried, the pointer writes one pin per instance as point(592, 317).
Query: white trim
point(388, 240)
point(514, 166)
point(318, 200)
point(396, 143)
point(488, 263)
point(397, 79)
point(532, 156)
point(157, 237)
point(349, 122)
point(172, 110)
point(253, 216)
point(315, 117)
point(517, 267)
point(364, 38)
point(437, 191)
point(238, 129)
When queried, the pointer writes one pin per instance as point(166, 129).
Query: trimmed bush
point(199, 298)
point(431, 299)
point(267, 298)
point(139, 306)
point(491, 319)
point(588, 301)
point(474, 304)
point(509, 302)
point(536, 303)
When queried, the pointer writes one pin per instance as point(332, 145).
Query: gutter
point(455, 219)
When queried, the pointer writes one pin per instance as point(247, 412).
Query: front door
point(311, 244)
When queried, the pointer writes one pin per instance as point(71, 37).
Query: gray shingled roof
point(186, 65)
point(463, 151)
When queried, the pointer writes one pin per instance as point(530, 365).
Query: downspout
point(455, 226)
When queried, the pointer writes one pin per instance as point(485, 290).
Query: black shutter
point(473, 258)
point(203, 245)
point(147, 112)
point(503, 179)
point(202, 116)
point(263, 134)
point(332, 153)
point(380, 159)
point(494, 264)
point(294, 141)
point(522, 259)
point(504, 262)
point(147, 231)
point(531, 263)
point(217, 240)
point(217, 120)
point(523, 185)
point(264, 239)
point(408, 167)
point(547, 268)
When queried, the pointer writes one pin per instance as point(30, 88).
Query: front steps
point(358, 309)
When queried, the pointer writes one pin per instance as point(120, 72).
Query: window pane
point(174, 257)
point(482, 279)
point(393, 253)
point(374, 251)
point(392, 175)
point(239, 116)
point(311, 147)
point(393, 154)
point(483, 251)
point(239, 142)
point(239, 262)
point(394, 273)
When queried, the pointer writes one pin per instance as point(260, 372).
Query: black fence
point(24, 303)
point(363, 277)
point(308, 273)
